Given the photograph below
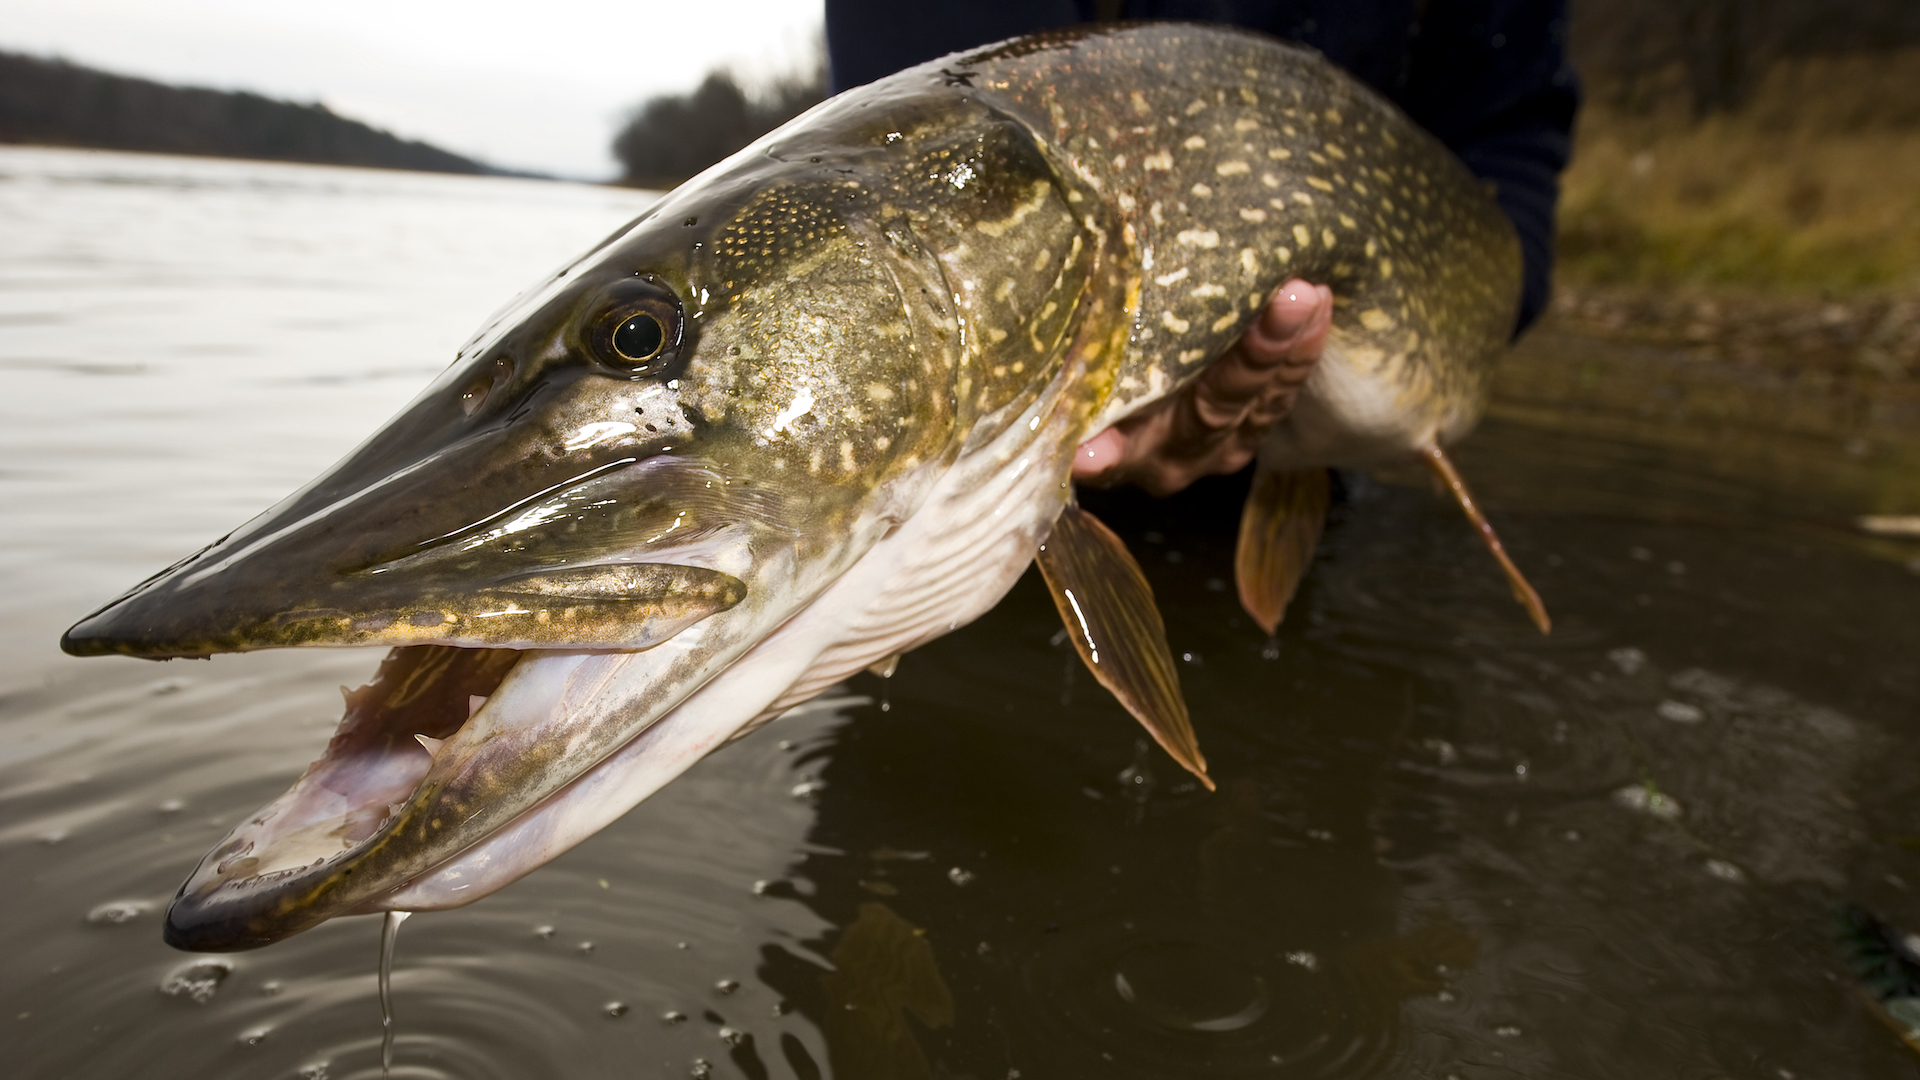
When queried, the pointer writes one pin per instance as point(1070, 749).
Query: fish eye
point(638, 331)
point(640, 338)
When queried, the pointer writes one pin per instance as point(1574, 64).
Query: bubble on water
point(171, 806)
point(315, 1071)
point(543, 931)
point(1680, 712)
point(807, 789)
point(673, 1016)
point(732, 1036)
point(727, 986)
point(960, 876)
point(584, 947)
point(1644, 799)
point(270, 988)
point(253, 1036)
point(701, 1069)
point(1507, 1031)
point(1725, 871)
point(1628, 659)
point(1305, 959)
point(1640, 553)
point(615, 1009)
point(761, 886)
point(196, 980)
point(118, 912)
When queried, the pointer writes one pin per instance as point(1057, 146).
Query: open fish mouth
point(258, 884)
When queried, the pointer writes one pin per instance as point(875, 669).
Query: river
point(1443, 846)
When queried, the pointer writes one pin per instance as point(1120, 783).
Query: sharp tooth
point(474, 701)
point(432, 745)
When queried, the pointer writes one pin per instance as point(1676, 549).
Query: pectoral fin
point(1443, 469)
point(1279, 527)
point(1110, 615)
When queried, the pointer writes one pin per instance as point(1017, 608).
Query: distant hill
point(52, 101)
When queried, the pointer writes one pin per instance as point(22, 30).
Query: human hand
point(1215, 424)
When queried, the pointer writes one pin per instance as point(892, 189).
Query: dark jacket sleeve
point(1491, 79)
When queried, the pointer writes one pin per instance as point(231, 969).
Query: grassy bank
point(1813, 188)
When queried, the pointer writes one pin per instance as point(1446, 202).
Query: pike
point(816, 407)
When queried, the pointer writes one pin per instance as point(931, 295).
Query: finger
point(1294, 322)
point(1281, 345)
point(1098, 455)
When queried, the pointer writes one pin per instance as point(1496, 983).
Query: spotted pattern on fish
point(1199, 135)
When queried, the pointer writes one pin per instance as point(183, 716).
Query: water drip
point(389, 933)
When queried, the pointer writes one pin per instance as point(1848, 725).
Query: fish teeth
point(431, 744)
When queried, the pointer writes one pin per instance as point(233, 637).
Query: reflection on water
point(1442, 845)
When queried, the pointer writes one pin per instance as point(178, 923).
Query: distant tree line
point(52, 101)
point(1712, 54)
point(671, 137)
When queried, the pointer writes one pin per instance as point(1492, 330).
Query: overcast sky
point(531, 84)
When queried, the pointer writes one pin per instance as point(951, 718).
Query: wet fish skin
point(891, 323)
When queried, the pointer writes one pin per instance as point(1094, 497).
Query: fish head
point(606, 465)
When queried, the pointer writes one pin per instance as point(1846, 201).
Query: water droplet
point(615, 1008)
point(959, 876)
point(727, 986)
point(118, 912)
point(196, 980)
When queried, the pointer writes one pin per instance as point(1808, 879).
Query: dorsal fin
point(1449, 476)
point(1279, 527)
point(1108, 608)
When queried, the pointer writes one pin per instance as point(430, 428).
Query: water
point(1442, 846)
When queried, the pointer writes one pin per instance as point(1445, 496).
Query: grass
point(1813, 188)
